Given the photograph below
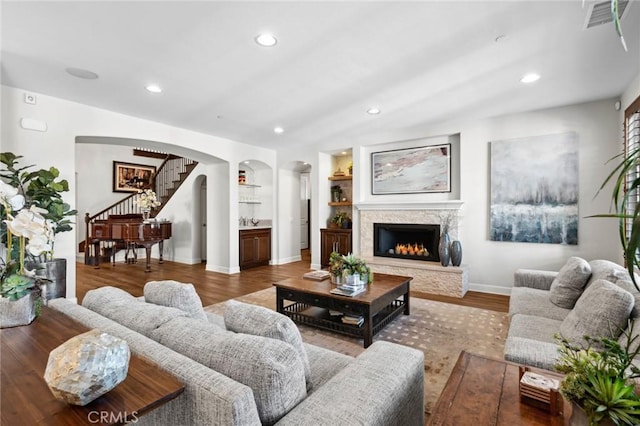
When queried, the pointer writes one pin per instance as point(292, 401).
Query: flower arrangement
point(147, 199)
point(39, 193)
point(446, 219)
point(33, 213)
point(601, 381)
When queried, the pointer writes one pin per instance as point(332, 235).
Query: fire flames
point(414, 249)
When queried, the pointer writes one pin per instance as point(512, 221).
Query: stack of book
point(348, 291)
point(317, 275)
point(353, 319)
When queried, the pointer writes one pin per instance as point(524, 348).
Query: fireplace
point(406, 241)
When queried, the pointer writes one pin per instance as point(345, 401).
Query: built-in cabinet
point(255, 247)
point(331, 240)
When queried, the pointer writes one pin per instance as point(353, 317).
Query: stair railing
point(168, 178)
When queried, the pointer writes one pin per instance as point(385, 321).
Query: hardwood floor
point(214, 287)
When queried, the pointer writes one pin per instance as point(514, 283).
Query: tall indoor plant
point(623, 195)
point(41, 191)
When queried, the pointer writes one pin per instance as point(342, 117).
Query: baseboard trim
point(222, 269)
point(287, 260)
point(492, 289)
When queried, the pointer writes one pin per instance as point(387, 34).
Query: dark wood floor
point(215, 287)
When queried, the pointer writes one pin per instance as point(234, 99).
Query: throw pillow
point(127, 310)
point(175, 295)
point(568, 285)
point(271, 368)
point(259, 321)
point(601, 311)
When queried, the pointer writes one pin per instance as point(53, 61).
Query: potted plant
point(339, 218)
point(623, 195)
point(599, 382)
point(344, 268)
point(20, 288)
point(39, 192)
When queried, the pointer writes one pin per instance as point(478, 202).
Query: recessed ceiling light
point(373, 111)
point(80, 73)
point(266, 40)
point(344, 152)
point(246, 162)
point(153, 88)
point(278, 130)
point(530, 78)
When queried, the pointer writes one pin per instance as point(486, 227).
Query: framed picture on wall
point(411, 170)
point(129, 177)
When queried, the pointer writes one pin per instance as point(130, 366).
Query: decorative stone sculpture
point(86, 367)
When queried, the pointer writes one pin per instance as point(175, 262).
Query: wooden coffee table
point(26, 399)
point(485, 392)
point(379, 305)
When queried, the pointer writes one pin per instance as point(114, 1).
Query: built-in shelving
point(339, 203)
point(347, 177)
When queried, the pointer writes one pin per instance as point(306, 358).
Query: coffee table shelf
point(303, 313)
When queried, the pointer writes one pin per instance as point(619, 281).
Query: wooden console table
point(26, 399)
point(484, 392)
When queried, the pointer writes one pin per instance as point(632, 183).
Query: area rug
point(440, 330)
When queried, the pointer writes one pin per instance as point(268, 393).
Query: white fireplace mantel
point(410, 205)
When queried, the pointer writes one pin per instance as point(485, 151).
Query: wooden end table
point(379, 305)
point(26, 399)
point(485, 392)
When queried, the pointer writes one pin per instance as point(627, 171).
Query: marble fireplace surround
point(428, 277)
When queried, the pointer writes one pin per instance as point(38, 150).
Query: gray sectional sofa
point(595, 298)
point(261, 373)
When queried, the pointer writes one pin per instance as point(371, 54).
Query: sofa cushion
point(271, 368)
point(535, 328)
point(260, 321)
point(127, 310)
point(568, 285)
point(532, 301)
point(531, 352)
point(606, 270)
point(325, 364)
point(175, 295)
point(601, 311)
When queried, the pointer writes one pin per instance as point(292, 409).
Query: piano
point(128, 232)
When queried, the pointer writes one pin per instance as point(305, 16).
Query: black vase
point(456, 253)
point(443, 249)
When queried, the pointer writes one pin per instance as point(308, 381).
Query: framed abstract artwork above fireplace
point(411, 170)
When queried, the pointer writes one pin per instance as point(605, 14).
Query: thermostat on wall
point(32, 124)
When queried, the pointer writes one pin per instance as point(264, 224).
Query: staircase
point(168, 178)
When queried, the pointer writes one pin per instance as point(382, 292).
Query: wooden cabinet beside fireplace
point(255, 247)
point(333, 240)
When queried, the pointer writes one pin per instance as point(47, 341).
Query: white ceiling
point(421, 63)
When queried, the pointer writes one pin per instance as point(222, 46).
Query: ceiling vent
point(600, 13)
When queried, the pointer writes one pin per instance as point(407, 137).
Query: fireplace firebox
point(406, 241)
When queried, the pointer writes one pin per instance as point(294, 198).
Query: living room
point(83, 136)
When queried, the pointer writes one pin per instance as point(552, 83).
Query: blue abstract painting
point(534, 189)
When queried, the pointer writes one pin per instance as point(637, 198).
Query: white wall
point(288, 200)
point(67, 120)
point(492, 264)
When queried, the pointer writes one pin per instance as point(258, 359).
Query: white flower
point(147, 199)
point(31, 225)
point(38, 244)
point(10, 198)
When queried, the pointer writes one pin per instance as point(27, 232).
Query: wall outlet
point(29, 98)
